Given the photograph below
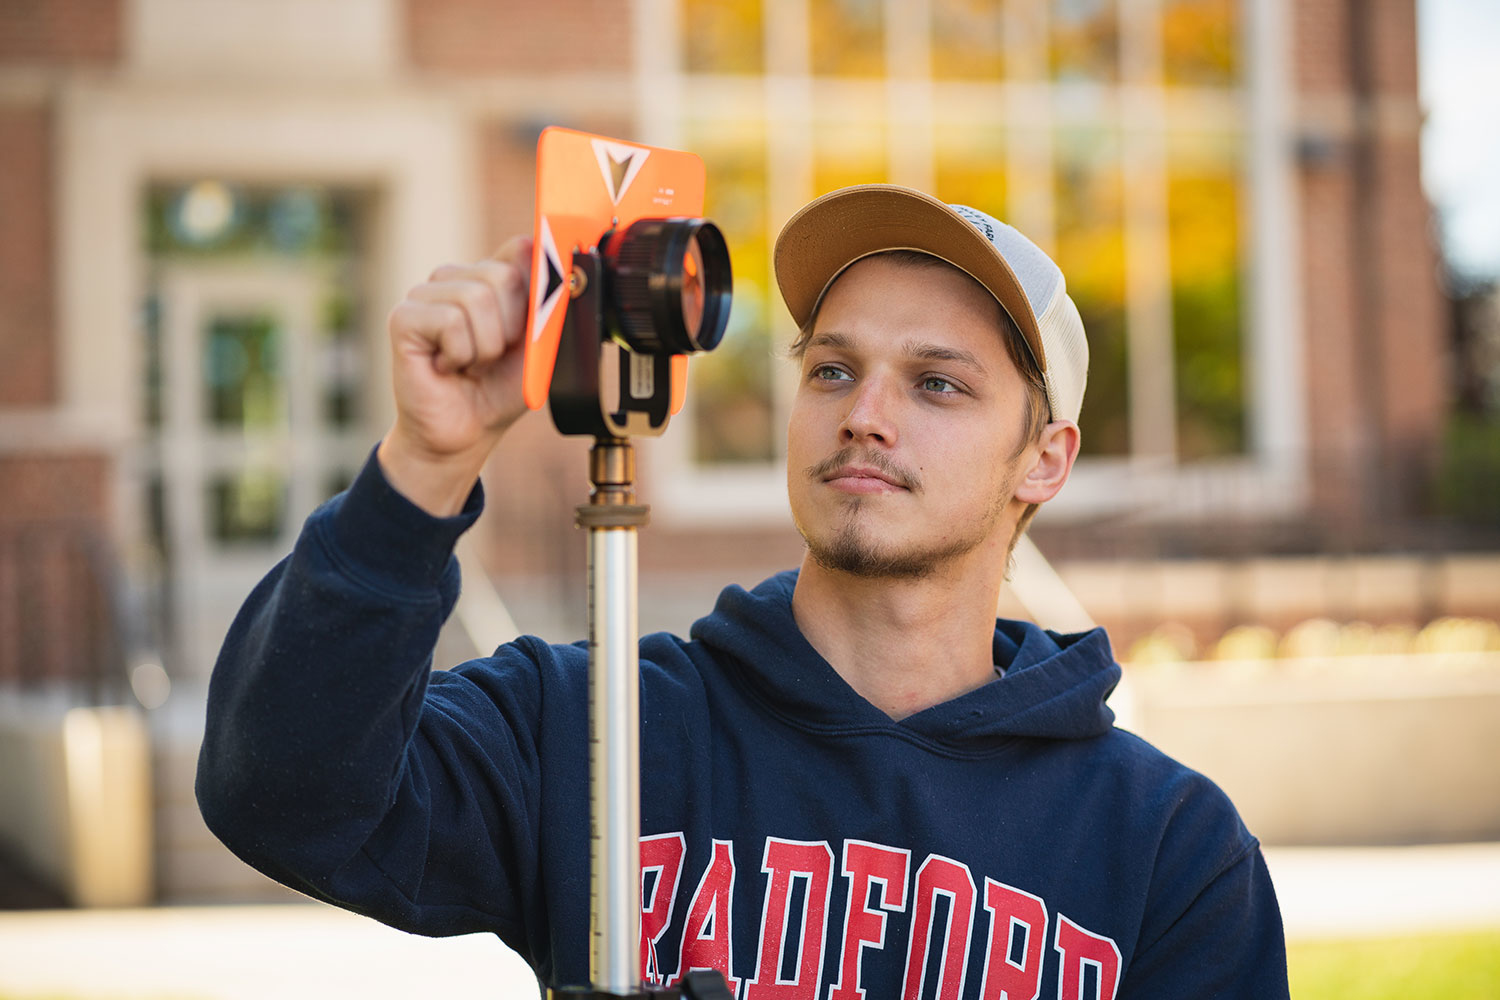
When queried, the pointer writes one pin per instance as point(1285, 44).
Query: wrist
point(438, 483)
point(386, 540)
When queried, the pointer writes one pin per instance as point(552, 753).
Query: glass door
point(256, 365)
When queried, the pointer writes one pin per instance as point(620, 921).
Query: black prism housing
point(670, 284)
point(658, 288)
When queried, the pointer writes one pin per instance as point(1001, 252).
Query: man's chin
point(853, 556)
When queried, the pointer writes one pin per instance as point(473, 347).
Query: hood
point(1054, 687)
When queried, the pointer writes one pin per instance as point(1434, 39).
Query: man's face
point(902, 448)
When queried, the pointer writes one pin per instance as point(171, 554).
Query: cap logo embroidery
point(978, 221)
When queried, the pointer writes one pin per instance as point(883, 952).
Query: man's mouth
point(862, 479)
point(845, 473)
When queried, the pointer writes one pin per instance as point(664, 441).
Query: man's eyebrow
point(837, 341)
point(937, 352)
point(914, 349)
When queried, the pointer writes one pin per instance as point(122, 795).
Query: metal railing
point(66, 622)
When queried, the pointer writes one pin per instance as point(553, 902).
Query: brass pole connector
point(612, 476)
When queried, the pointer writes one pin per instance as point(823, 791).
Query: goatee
point(848, 552)
point(856, 548)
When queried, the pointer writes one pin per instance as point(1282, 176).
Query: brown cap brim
point(834, 231)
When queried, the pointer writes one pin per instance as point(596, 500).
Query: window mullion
point(1028, 112)
point(909, 139)
point(1274, 356)
point(1148, 299)
point(658, 70)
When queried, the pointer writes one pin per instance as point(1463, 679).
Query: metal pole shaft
point(614, 720)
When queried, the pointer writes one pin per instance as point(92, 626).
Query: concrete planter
point(1339, 750)
point(76, 799)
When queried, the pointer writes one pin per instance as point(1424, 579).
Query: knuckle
point(517, 278)
point(452, 321)
point(404, 316)
point(477, 299)
point(507, 277)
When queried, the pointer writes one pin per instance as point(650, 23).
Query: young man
point(855, 781)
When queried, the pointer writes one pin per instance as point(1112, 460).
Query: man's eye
point(934, 383)
point(829, 373)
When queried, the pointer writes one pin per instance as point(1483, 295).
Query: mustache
point(900, 475)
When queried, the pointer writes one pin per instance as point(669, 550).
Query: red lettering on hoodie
point(786, 860)
point(1082, 951)
point(940, 876)
point(864, 865)
point(662, 856)
point(794, 939)
point(1018, 927)
point(708, 938)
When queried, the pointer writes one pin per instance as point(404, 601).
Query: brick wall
point(54, 571)
point(1393, 40)
point(1338, 431)
point(508, 180)
point(511, 37)
point(1414, 339)
point(1372, 308)
point(1320, 49)
point(42, 486)
point(74, 32)
point(1404, 255)
point(28, 375)
point(54, 547)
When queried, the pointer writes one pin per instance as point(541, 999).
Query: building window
point(733, 418)
point(722, 36)
point(967, 40)
point(1088, 193)
point(1200, 43)
point(847, 37)
point(1203, 231)
point(1085, 41)
point(1118, 144)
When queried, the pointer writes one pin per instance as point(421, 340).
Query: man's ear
point(1057, 450)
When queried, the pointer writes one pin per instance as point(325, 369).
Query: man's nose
point(871, 414)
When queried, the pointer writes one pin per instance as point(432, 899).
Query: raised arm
point(333, 759)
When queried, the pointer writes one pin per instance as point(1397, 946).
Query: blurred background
point(1280, 220)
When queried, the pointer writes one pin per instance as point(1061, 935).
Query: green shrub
point(1468, 484)
point(1431, 966)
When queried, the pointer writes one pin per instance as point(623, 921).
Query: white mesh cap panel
point(1066, 349)
point(1067, 356)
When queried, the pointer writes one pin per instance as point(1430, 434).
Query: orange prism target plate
point(586, 185)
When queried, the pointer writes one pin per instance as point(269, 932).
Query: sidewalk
point(1372, 891)
point(291, 951)
point(297, 951)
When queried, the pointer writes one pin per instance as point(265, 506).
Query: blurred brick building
point(207, 207)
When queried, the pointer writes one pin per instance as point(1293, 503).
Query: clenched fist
point(457, 344)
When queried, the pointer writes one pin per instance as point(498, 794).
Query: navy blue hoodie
point(1009, 843)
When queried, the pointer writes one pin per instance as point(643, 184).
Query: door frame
point(415, 152)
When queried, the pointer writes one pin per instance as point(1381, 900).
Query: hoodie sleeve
point(1213, 930)
point(1227, 946)
point(336, 763)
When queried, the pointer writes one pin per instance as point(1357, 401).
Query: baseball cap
point(844, 226)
